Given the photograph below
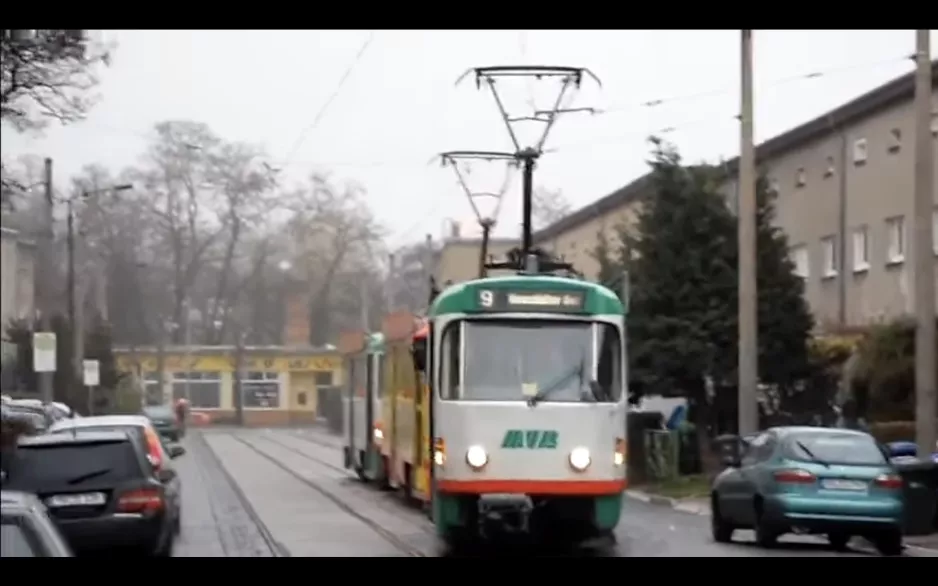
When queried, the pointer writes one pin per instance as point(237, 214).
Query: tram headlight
point(580, 459)
point(476, 457)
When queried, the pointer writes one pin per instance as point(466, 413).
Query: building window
point(801, 177)
point(861, 251)
point(260, 390)
point(829, 256)
point(934, 230)
point(895, 230)
point(774, 187)
point(829, 167)
point(859, 151)
point(202, 389)
point(799, 258)
point(323, 378)
point(895, 140)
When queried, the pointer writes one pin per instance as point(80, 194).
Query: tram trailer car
point(529, 408)
point(362, 411)
point(405, 399)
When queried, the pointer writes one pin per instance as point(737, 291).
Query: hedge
point(893, 431)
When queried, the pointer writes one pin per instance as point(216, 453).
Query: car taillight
point(153, 449)
point(794, 476)
point(140, 501)
point(890, 481)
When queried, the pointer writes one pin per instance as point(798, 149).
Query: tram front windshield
point(553, 360)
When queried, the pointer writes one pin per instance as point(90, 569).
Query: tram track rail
point(398, 543)
point(205, 452)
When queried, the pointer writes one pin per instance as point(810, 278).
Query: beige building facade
point(844, 196)
point(459, 258)
point(844, 185)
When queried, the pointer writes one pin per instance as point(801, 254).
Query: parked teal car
point(817, 480)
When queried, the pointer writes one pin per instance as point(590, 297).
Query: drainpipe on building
point(842, 228)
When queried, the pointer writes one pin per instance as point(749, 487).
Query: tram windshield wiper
point(579, 371)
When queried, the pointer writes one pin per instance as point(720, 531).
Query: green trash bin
point(920, 495)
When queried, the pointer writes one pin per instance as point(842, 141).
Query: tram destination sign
point(530, 300)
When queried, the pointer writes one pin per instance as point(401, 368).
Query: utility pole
point(527, 156)
point(365, 303)
point(427, 262)
point(72, 295)
point(240, 342)
point(748, 366)
point(45, 275)
point(926, 405)
point(390, 285)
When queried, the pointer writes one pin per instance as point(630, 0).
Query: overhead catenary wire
point(646, 104)
point(816, 74)
point(335, 93)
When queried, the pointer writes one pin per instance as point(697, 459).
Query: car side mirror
point(176, 450)
point(165, 474)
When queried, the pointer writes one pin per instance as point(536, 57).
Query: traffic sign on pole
point(44, 352)
point(92, 372)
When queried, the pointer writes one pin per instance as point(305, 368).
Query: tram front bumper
point(505, 512)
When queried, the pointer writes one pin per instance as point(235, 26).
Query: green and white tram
point(528, 418)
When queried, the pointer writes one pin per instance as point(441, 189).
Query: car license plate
point(838, 484)
point(89, 499)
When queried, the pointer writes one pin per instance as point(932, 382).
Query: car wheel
point(165, 550)
point(889, 543)
point(838, 541)
point(721, 530)
point(766, 535)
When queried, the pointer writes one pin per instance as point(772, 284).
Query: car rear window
point(832, 448)
point(16, 541)
point(136, 430)
point(67, 464)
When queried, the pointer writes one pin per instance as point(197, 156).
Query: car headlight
point(476, 457)
point(580, 459)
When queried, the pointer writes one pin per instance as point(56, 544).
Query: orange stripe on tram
point(591, 487)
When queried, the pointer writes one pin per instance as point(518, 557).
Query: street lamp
point(77, 330)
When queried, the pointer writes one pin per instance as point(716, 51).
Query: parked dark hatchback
point(99, 489)
point(164, 421)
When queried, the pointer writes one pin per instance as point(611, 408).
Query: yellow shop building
point(280, 385)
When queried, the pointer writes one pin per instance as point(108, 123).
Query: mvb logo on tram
point(534, 439)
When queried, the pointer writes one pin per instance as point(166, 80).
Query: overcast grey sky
point(399, 107)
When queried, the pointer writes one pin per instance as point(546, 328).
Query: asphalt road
point(307, 505)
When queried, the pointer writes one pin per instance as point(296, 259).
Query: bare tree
point(549, 205)
point(47, 74)
point(333, 231)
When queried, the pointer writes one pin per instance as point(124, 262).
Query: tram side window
point(610, 367)
point(450, 364)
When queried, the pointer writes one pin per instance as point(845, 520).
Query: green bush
point(893, 431)
point(884, 381)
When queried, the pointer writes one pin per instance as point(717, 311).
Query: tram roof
point(464, 297)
